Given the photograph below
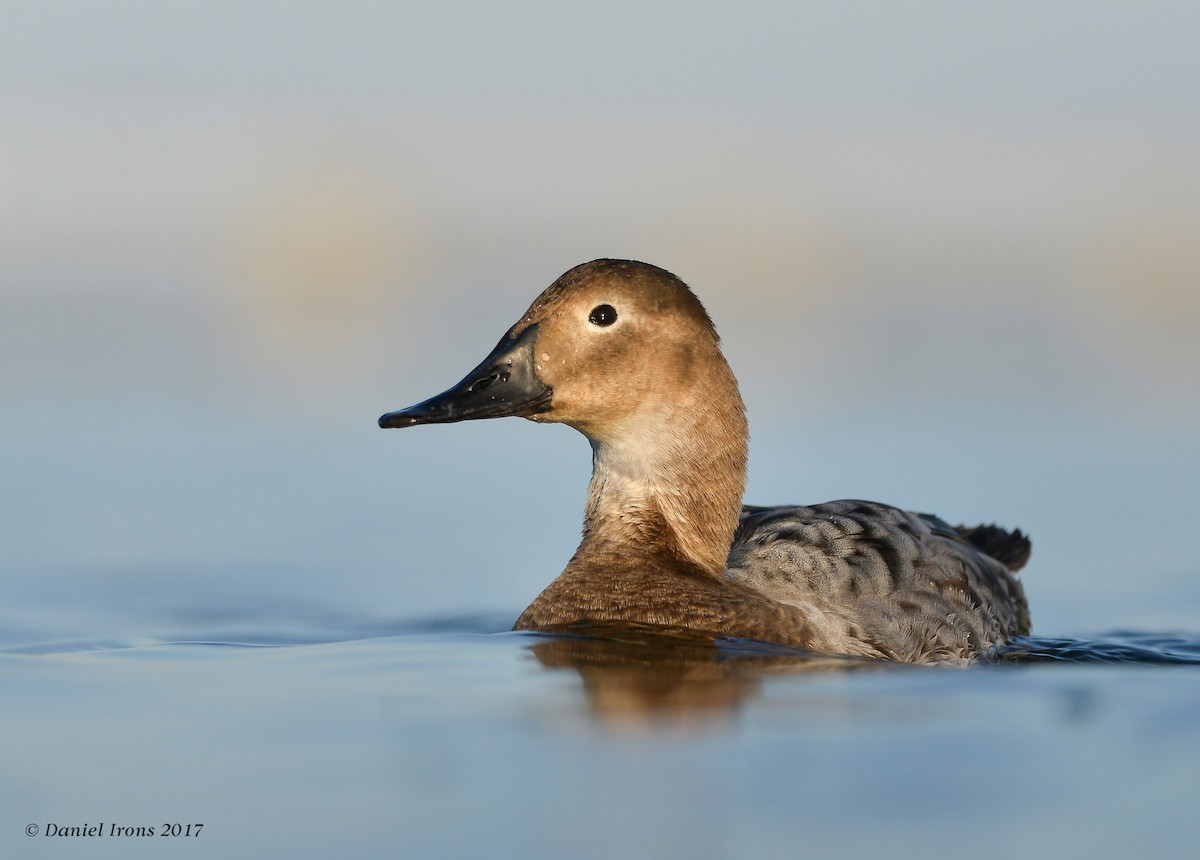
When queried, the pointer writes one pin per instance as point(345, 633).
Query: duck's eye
point(603, 315)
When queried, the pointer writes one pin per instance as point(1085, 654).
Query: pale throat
point(662, 483)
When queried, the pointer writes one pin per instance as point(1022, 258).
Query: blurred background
point(953, 251)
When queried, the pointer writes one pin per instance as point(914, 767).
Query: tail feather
point(1011, 549)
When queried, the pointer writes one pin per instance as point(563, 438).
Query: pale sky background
point(953, 251)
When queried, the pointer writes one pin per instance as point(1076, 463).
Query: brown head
point(623, 352)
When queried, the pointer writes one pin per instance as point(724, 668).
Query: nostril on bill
point(485, 381)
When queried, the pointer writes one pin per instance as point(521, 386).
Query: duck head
point(607, 344)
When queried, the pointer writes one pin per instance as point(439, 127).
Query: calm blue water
point(446, 737)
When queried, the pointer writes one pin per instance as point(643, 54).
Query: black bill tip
point(398, 419)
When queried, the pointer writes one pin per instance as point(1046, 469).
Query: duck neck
point(670, 482)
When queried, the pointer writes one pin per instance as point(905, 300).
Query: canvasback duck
point(626, 354)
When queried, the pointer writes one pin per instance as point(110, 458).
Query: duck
point(625, 353)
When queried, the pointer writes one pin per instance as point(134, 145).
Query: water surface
point(446, 737)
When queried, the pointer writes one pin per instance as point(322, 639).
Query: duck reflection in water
point(638, 675)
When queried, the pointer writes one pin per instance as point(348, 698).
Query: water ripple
point(1117, 647)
